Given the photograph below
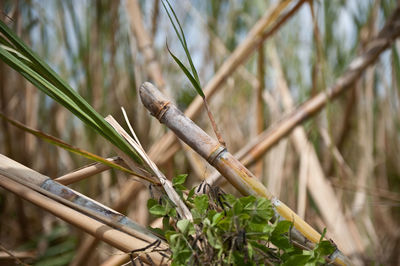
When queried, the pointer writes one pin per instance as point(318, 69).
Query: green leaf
point(282, 227)
point(157, 231)
point(325, 248)
point(237, 208)
point(279, 238)
point(213, 239)
point(180, 187)
point(296, 260)
point(201, 203)
point(158, 210)
point(248, 201)
point(179, 179)
point(185, 226)
point(151, 202)
point(191, 194)
point(193, 77)
point(166, 224)
point(217, 218)
point(188, 74)
point(172, 212)
point(182, 39)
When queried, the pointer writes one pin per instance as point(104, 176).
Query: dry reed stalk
point(276, 165)
point(259, 106)
point(366, 138)
point(154, 18)
point(276, 157)
point(114, 237)
point(86, 171)
point(119, 259)
point(239, 176)
point(269, 23)
point(31, 117)
point(257, 147)
point(319, 187)
point(88, 244)
point(84, 253)
point(197, 164)
point(6, 256)
point(304, 173)
point(345, 169)
point(116, 260)
point(166, 184)
point(144, 43)
point(40, 183)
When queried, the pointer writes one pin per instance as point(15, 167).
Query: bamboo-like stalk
point(88, 244)
point(272, 20)
point(114, 237)
point(238, 175)
point(38, 182)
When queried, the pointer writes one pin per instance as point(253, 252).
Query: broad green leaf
point(248, 201)
point(282, 227)
point(325, 248)
point(185, 226)
point(217, 218)
point(297, 260)
point(151, 202)
point(237, 208)
point(179, 179)
point(201, 203)
point(158, 210)
point(191, 194)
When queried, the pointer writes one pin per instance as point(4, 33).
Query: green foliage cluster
point(230, 231)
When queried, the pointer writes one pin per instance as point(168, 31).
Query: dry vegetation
point(285, 81)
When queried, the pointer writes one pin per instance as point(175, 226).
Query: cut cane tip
point(152, 98)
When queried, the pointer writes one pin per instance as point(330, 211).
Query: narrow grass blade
point(57, 142)
point(181, 36)
point(192, 80)
point(183, 40)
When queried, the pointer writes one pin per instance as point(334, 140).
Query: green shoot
point(192, 76)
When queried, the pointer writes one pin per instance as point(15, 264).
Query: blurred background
point(94, 47)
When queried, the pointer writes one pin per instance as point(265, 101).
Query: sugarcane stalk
point(268, 24)
point(53, 190)
point(108, 234)
point(217, 155)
